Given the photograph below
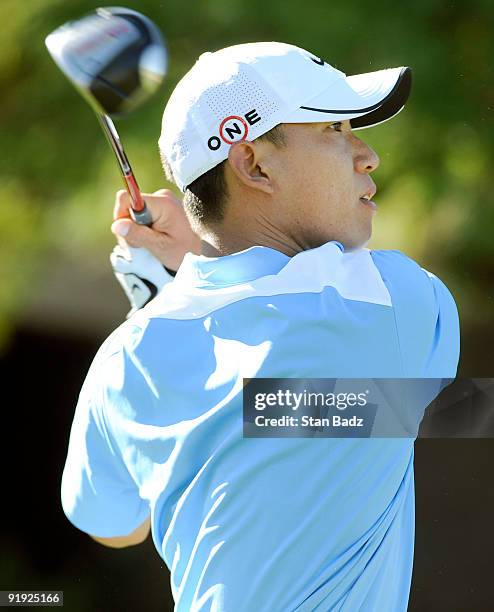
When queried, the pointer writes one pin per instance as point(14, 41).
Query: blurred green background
point(435, 189)
point(59, 299)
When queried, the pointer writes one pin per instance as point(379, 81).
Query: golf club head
point(115, 57)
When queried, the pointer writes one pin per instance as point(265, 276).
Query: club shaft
point(139, 210)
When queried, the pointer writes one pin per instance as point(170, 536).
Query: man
point(276, 282)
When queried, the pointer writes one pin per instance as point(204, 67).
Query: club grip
point(143, 216)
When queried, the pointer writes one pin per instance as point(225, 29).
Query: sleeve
point(444, 349)
point(98, 493)
point(426, 316)
point(428, 331)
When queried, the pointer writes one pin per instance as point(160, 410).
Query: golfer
point(276, 281)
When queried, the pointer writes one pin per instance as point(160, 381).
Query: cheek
point(318, 180)
point(333, 182)
point(335, 163)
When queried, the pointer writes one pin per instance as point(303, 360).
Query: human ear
point(249, 166)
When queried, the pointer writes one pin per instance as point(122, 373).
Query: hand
point(141, 271)
point(169, 238)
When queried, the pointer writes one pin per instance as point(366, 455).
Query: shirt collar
point(241, 267)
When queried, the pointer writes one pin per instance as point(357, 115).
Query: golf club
point(116, 58)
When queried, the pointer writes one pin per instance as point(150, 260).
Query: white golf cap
point(241, 92)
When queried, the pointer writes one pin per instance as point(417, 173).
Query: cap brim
point(364, 99)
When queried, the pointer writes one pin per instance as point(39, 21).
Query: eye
point(337, 126)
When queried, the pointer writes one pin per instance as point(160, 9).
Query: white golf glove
point(140, 274)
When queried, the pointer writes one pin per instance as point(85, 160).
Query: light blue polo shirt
point(270, 524)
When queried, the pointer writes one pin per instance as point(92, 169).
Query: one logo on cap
point(233, 129)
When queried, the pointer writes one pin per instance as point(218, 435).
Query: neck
point(222, 244)
point(247, 226)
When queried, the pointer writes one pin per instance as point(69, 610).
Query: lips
point(366, 197)
point(369, 194)
point(366, 200)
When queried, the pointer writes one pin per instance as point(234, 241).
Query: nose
point(366, 160)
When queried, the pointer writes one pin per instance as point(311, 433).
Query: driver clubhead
point(115, 57)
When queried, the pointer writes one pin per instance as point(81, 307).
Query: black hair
point(205, 198)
